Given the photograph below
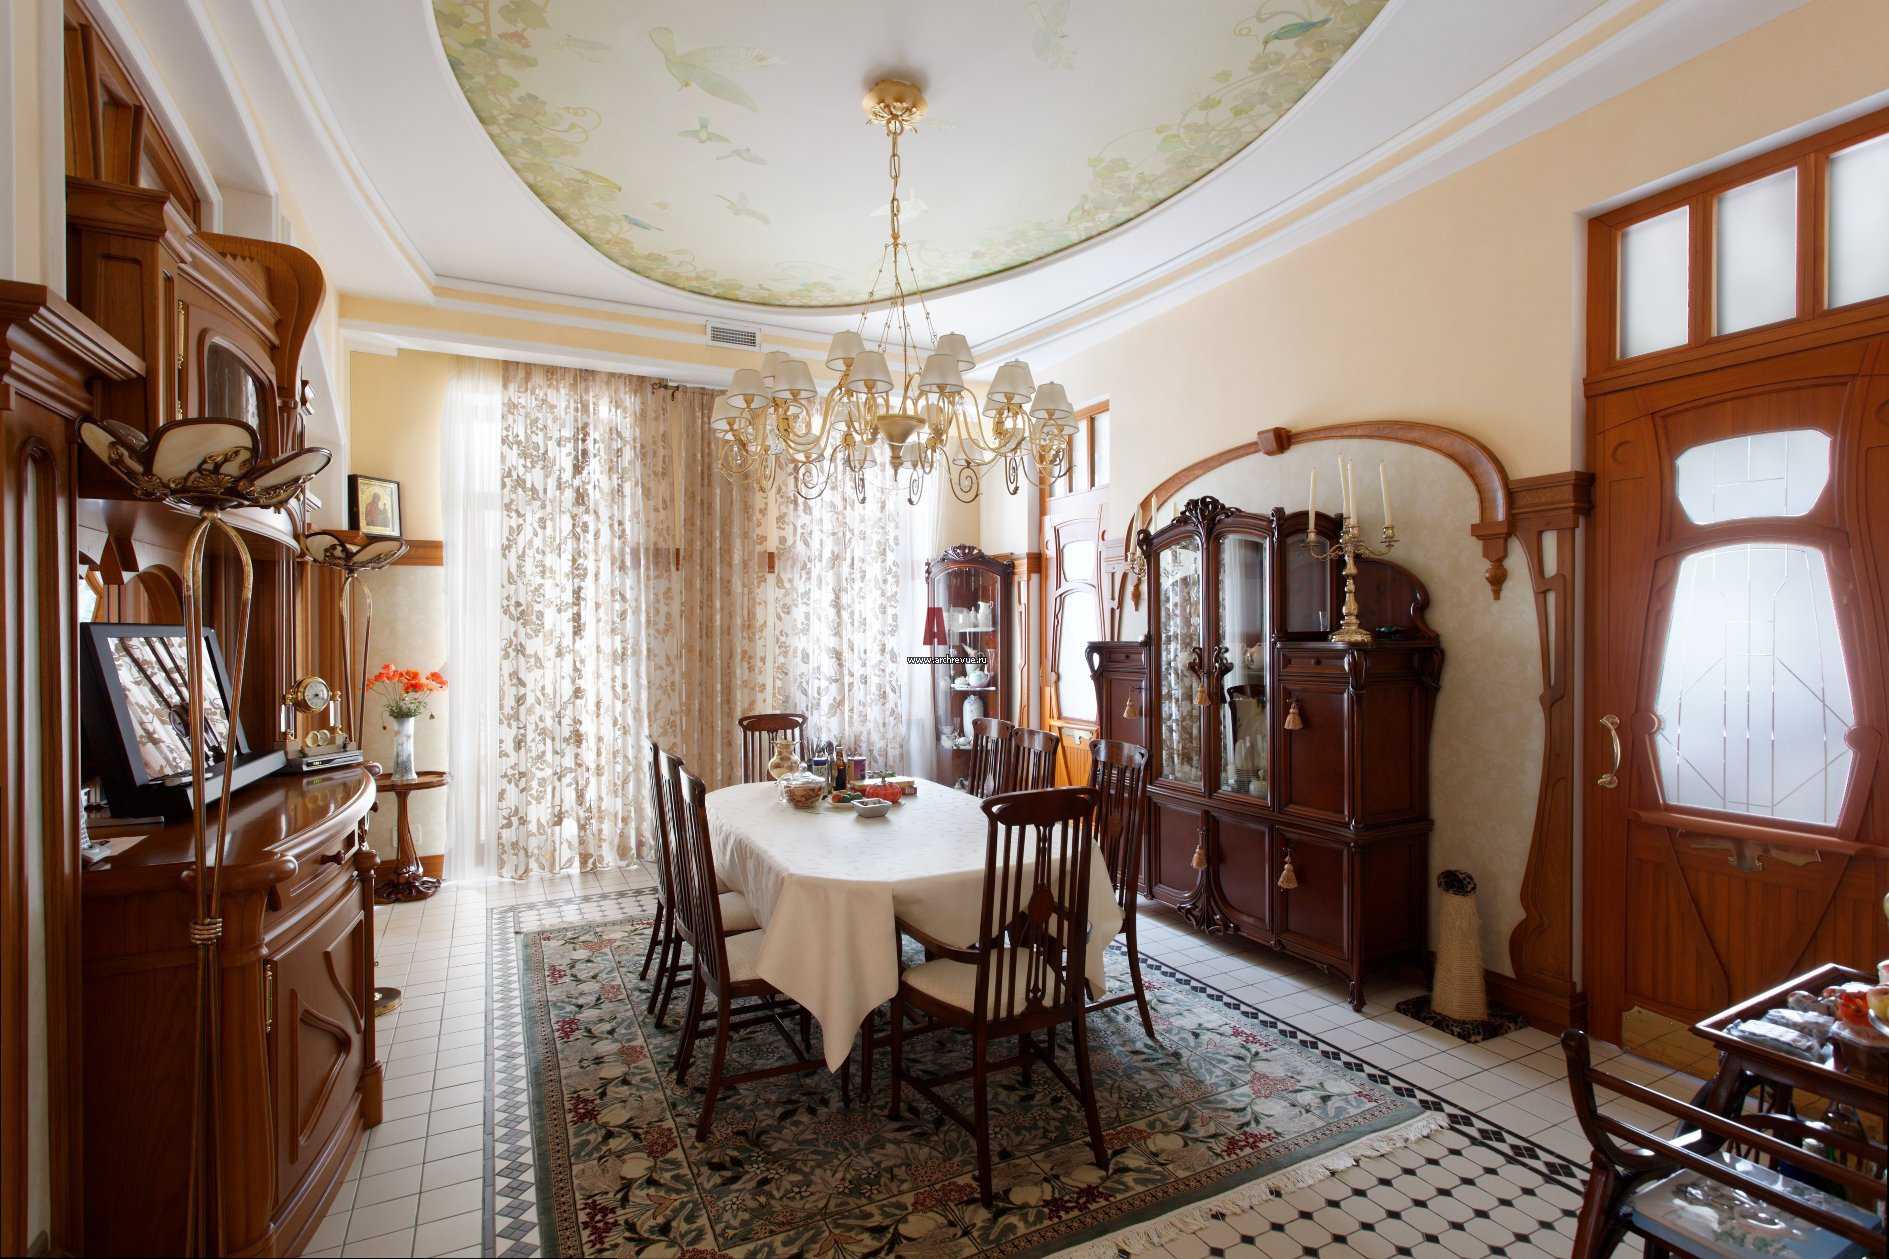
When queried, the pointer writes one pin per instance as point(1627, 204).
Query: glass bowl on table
point(802, 790)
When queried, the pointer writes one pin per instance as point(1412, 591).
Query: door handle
point(1611, 778)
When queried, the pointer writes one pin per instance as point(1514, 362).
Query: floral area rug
point(1230, 1107)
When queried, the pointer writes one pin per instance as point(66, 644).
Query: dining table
point(829, 887)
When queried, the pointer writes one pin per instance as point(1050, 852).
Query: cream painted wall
point(1486, 742)
point(410, 632)
point(1460, 304)
point(395, 416)
point(32, 139)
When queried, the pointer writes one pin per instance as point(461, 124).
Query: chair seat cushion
point(744, 955)
point(1702, 1216)
point(736, 913)
point(955, 983)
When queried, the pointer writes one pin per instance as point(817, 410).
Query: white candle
point(1384, 488)
point(1344, 495)
point(1311, 504)
point(1351, 489)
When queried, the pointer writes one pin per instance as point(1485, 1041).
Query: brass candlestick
point(1350, 545)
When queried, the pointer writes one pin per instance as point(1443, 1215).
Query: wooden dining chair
point(1031, 761)
point(725, 965)
point(1652, 1186)
point(758, 732)
point(1026, 972)
point(990, 743)
point(1118, 772)
point(671, 930)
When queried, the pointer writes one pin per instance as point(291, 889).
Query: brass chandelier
point(915, 407)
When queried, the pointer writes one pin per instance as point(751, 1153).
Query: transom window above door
point(1796, 236)
point(1765, 474)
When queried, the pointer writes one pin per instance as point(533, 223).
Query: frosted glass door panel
point(1757, 252)
point(1754, 700)
point(1859, 222)
point(1767, 474)
point(1078, 625)
point(1654, 274)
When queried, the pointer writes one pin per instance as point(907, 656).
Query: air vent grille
point(734, 336)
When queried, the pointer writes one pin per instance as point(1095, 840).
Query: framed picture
point(374, 506)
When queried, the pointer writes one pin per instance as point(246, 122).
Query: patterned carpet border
point(1179, 1208)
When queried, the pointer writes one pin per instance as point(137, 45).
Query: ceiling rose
point(703, 147)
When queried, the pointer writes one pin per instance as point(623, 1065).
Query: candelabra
point(1350, 545)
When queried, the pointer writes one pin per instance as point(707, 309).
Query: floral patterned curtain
point(588, 614)
point(723, 655)
point(837, 653)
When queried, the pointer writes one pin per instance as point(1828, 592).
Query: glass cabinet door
point(1242, 655)
point(966, 685)
point(1181, 667)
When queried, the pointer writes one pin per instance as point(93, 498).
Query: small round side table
point(408, 881)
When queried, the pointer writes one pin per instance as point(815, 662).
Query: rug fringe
point(1193, 1218)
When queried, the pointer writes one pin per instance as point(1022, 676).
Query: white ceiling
point(462, 214)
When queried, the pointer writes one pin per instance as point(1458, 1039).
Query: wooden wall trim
point(1541, 948)
point(423, 553)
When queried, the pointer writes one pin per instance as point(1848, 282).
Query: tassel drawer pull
point(1288, 877)
point(1294, 719)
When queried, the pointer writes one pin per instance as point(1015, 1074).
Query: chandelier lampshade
point(893, 391)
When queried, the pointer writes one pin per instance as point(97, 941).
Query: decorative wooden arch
point(1541, 948)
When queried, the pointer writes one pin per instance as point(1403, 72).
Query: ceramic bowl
point(870, 807)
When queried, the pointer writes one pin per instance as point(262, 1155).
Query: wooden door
point(1737, 695)
point(1072, 619)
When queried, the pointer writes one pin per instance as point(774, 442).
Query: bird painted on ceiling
point(709, 68)
point(701, 133)
point(746, 154)
point(1051, 41)
point(739, 207)
point(636, 222)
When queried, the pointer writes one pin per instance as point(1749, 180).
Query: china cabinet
point(1290, 794)
point(971, 668)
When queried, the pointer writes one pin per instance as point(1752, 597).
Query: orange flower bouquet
point(403, 692)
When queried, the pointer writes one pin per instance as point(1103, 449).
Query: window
point(1793, 237)
point(1767, 474)
point(1754, 698)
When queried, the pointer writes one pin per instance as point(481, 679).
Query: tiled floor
point(425, 1183)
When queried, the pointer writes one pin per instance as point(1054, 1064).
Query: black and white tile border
point(1514, 1196)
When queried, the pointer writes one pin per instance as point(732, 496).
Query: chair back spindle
point(990, 741)
point(1035, 902)
point(664, 812)
point(696, 857)
point(1118, 771)
point(1031, 762)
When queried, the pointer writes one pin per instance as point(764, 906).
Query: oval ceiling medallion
point(720, 149)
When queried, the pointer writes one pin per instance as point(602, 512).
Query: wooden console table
point(408, 881)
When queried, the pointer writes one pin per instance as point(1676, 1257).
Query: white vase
point(973, 710)
point(403, 749)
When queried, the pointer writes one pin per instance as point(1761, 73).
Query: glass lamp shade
point(870, 374)
point(844, 349)
point(770, 366)
point(747, 391)
point(954, 344)
point(1012, 383)
point(1051, 404)
point(793, 380)
point(941, 375)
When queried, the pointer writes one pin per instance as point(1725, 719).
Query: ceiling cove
point(722, 151)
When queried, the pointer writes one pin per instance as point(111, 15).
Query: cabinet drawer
point(1315, 916)
point(1311, 662)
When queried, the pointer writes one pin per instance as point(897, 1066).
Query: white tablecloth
point(827, 885)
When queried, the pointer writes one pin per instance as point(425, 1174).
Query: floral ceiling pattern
point(722, 151)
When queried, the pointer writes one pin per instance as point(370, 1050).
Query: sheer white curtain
point(838, 653)
point(469, 484)
point(919, 544)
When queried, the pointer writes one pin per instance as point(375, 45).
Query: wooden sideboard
point(1272, 747)
point(299, 1083)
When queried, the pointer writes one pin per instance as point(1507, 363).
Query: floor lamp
point(209, 466)
point(333, 550)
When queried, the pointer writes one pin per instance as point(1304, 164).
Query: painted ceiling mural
point(721, 149)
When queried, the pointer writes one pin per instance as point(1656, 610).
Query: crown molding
point(387, 340)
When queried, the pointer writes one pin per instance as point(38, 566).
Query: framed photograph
point(135, 712)
point(374, 506)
